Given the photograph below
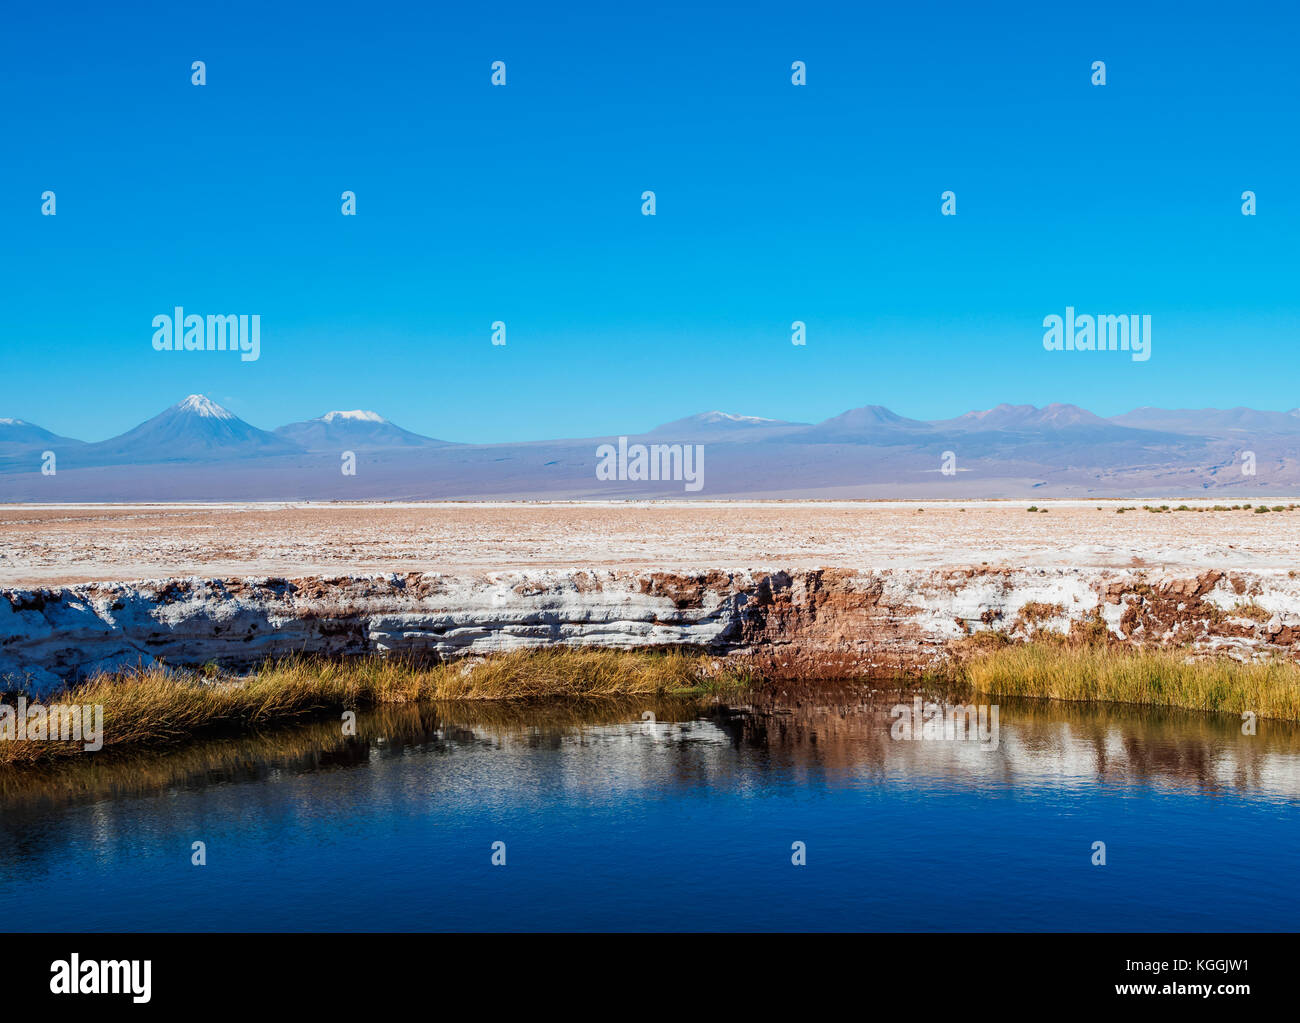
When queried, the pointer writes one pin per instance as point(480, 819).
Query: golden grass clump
point(153, 707)
point(1157, 678)
point(570, 674)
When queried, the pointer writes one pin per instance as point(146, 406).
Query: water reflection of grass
point(122, 771)
point(158, 709)
point(813, 731)
point(316, 744)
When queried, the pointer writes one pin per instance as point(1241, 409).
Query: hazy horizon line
point(757, 420)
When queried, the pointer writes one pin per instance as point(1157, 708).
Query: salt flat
point(65, 544)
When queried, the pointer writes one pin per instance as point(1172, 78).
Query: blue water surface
point(687, 825)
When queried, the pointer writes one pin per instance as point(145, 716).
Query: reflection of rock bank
point(645, 746)
point(1041, 745)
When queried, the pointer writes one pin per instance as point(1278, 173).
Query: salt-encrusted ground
point(806, 589)
point(59, 544)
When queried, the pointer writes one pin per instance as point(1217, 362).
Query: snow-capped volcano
point(718, 425)
point(194, 429)
point(357, 430)
point(202, 405)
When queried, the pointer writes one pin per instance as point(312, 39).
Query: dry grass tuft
point(1157, 678)
point(154, 708)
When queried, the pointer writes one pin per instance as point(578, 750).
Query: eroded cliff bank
point(806, 623)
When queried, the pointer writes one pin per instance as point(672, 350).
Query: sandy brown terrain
point(56, 545)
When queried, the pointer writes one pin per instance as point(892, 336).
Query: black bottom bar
point(329, 972)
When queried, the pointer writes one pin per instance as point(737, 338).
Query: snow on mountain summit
point(720, 425)
point(730, 417)
point(356, 430)
point(356, 415)
point(202, 405)
point(196, 429)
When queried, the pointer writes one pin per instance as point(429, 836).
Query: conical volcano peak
point(202, 405)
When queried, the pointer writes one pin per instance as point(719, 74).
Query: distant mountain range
point(197, 450)
point(199, 430)
point(18, 437)
point(196, 429)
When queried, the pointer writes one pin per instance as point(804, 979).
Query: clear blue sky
point(522, 203)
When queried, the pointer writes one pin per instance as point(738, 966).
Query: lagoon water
point(612, 822)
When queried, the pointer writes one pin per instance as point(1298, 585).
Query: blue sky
point(775, 203)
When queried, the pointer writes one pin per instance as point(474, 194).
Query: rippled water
point(612, 822)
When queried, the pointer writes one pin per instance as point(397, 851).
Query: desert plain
point(54, 545)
